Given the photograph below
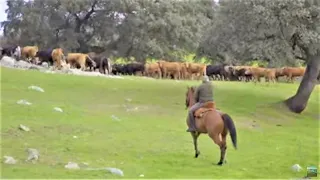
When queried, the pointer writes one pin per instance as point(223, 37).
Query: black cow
point(214, 71)
point(11, 51)
point(45, 56)
point(102, 63)
point(127, 69)
point(117, 69)
point(240, 74)
point(133, 68)
point(219, 72)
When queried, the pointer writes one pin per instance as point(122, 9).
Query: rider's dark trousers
point(191, 117)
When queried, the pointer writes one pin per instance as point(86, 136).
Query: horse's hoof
point(220, 163)
point(197, 154)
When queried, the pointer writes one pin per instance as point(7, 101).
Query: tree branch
point(295, 38)
point(301, 58)
point(87, 16)
point(76, 16)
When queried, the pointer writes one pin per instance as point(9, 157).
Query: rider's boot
point(192, 126)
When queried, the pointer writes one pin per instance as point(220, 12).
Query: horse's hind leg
point(223, 147)
point(195, 136)
point(222, 144)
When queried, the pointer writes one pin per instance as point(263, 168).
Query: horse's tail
point(232, 129)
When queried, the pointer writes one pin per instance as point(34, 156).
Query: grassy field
point(150, 137)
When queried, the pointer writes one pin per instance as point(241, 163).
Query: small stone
point(24, 128)
point(33, 154)
point(58, 109)
point(115, 171)
point(45, 64)
point(72, 165)
point(9, 160)
point(7, 61)
point(37, 88)
point(75, 137)
point(23, 102)
point(115, 118)
point(36, 67)
point(296, 168)
point(141, 175)
point(23, 64)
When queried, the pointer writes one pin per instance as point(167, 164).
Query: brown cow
point(257, 73)
point(79, 59)
point(28, 53)
point(279, 73)
point(151, 69)
point(57, 58)
point(184, 70)
point(197, 69)
point(270, 74)
point(170, 68)
point(291, 72)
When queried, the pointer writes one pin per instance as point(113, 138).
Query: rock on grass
point(9, 160)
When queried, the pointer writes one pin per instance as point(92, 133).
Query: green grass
point(152, 140)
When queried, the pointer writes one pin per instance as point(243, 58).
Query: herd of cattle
point(161, 69)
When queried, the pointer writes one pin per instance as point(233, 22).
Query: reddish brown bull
point(28, 53)
point(169, 68)
point(291, 72)
point(256, 72)
point(197, 69)
point(151, 69)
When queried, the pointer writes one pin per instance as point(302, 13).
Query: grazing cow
point(28, 53)
point(79, 59)
point(133, 68)
point(291, 72)
point(168, 68)
point(151, 69)
point(118, 69)
point(11, 51)
point(256, 72)
point(197, 69)
point(102, 63)
point(44, 56)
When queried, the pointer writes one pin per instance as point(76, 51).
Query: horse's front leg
point(195, 136)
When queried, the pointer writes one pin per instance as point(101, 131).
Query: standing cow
point(102, 63)
point(11, 51)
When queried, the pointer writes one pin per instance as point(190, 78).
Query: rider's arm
point(196, 95)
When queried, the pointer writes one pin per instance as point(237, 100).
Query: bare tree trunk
point(298, 102)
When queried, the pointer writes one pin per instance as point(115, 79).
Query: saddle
point(208, 106)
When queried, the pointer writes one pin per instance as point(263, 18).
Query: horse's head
point(189, 96)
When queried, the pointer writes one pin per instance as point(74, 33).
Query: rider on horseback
point(203, 94)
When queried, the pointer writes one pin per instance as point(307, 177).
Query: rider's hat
point(205, 79)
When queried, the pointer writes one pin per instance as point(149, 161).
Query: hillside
point(149, 135)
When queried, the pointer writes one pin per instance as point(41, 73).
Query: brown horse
point(212, 122)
